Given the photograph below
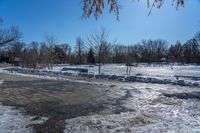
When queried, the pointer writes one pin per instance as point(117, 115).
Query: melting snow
point(12, 121)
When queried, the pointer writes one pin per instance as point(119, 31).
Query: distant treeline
point(97, 49)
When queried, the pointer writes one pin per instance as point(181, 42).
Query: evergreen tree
point(59, 54)
point(90, 58)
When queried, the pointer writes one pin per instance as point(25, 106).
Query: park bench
point(82, 70)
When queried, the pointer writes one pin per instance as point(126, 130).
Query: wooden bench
point(83, 70)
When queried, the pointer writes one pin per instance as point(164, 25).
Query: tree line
point(97, 48)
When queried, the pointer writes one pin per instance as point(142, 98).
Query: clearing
point(32, 103)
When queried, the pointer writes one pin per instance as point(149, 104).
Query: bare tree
point(119, 53)
point(44, 55)
point(153, 50)
point(9, 35)
point(99, 42)
point(80, 48)
point(15, 51)
point(51, 42)
point(34, 54)
point(191, 50)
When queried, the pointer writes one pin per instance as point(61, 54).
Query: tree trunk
point(99, 64)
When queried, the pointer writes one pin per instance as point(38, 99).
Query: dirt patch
point(53, 109)
point(52, 125)
point(58, 114)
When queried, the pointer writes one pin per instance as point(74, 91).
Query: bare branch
point(95, 7)
point(9, 35)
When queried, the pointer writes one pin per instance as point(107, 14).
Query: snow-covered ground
point(184, 75)
point(152, 70)
point(157, 101)
point(188, 75)
point(13, 120)
point(152, 113)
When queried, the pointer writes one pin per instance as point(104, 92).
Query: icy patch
point(13, 121)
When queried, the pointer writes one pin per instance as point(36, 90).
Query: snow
point(41, 74)
point(14, 121)
point(129, 122)
point(151, 70)
point(1, 82)
point(185, 75)
point(154, 112)
point(162, 74)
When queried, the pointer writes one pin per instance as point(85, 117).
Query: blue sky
point(38, 18)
